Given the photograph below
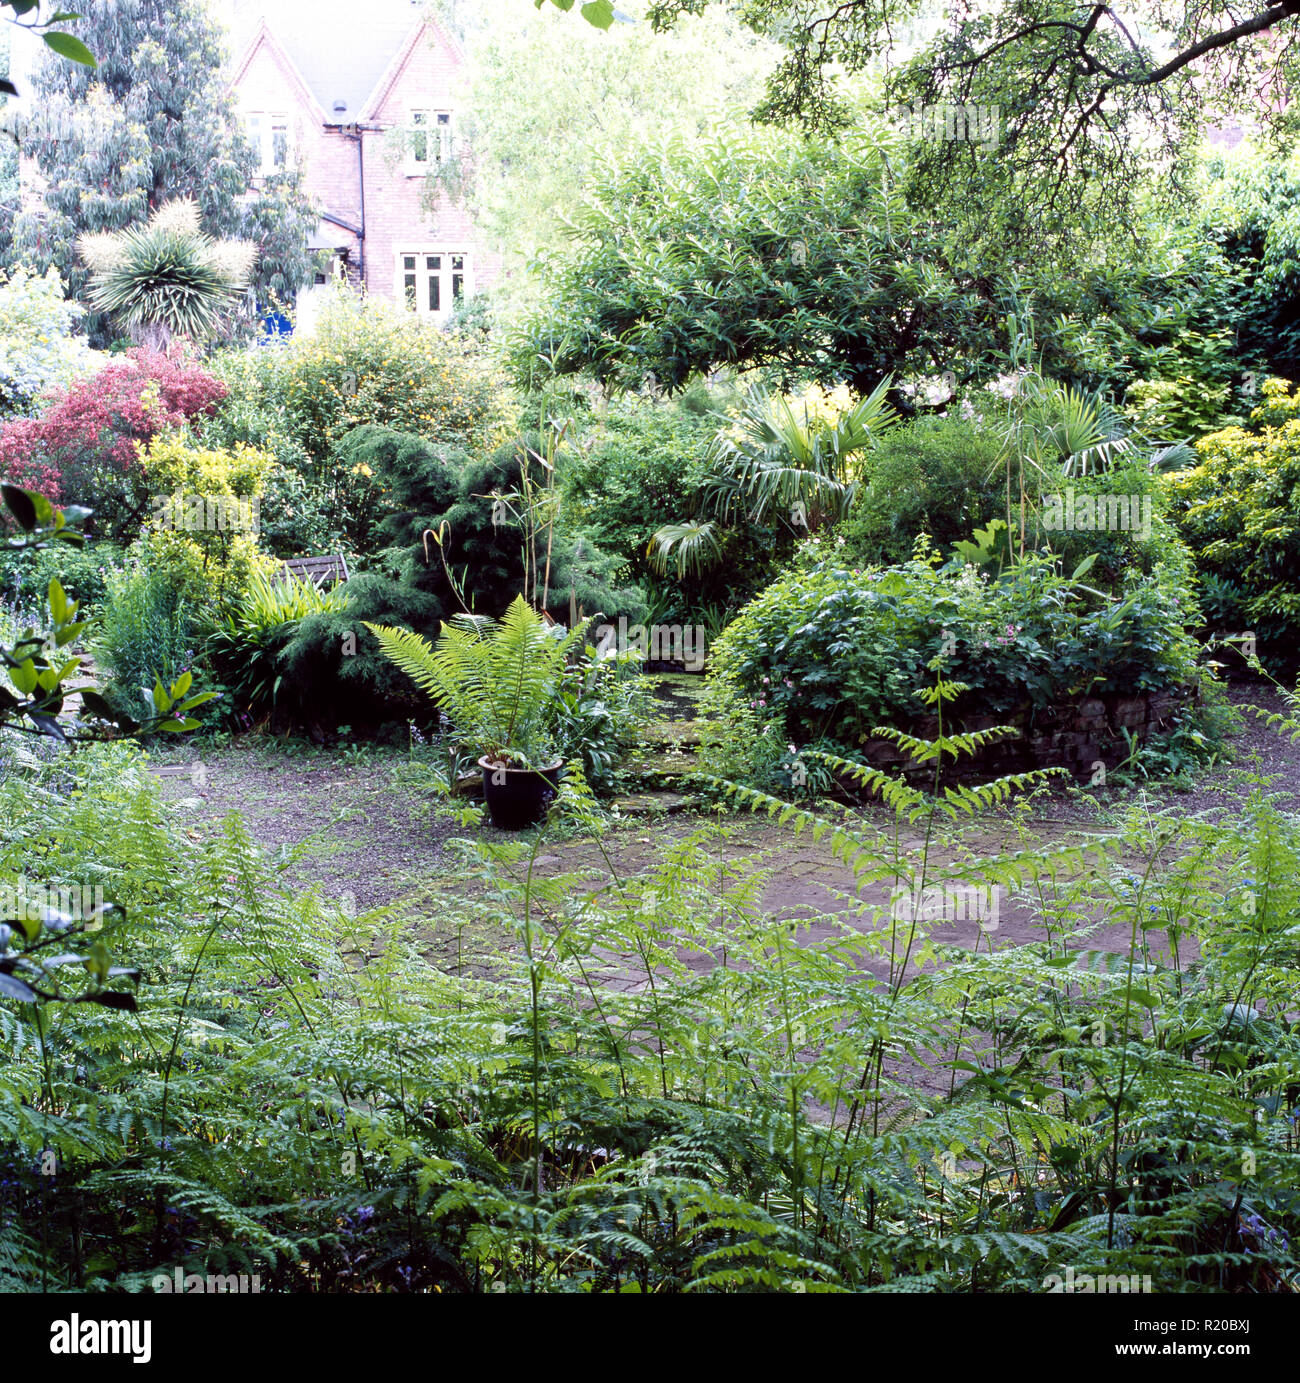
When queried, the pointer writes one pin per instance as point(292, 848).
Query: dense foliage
point(756, 251)
point(408, 1125)
point(1239, 511)
point(830, 653)
point(83, 446)
point(39, 350)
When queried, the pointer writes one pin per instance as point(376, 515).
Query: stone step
point(685, 733)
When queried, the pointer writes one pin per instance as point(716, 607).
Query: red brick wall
point(396, 218)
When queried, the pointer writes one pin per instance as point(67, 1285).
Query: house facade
point(363, 100)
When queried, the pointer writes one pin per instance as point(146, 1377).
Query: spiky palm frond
point(167, 275)
point(1078, 431)
point(776, 459)
point(494, 679)
point(693, 546)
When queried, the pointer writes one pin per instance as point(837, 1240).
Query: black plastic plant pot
point(518, 797)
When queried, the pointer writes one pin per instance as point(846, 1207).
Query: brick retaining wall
point(1077, 735)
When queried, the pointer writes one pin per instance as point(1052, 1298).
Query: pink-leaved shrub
point(81, 449)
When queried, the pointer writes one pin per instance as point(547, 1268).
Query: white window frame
point(263, 139)
point(446, 272)
point(436, 126)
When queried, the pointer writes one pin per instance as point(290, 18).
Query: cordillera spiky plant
point(167, 278)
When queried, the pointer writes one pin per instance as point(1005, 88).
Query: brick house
point(363, 99)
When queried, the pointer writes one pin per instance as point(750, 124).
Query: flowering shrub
point(832, 652)
point(38, 350)
point(82, 448)
point(1239, 511)
point(369, 363)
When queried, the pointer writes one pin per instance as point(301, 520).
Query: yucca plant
point(167, 278)
point(495, 680)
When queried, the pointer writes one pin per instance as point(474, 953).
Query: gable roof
point(263, 35)
point(343, 51)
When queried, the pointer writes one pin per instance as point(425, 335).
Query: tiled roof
point(340, 47)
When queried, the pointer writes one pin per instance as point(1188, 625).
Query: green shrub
point(244, 645)
point(331, 668)
point(298, 517)
point(1176, 409)
point(1239, 512)
point(414, 483)
point(833, 652)
point(601, 705)
point(38, 350)
point(146, 633)
point(634, 470)
point(439, 542)
point(333, 672)
point(25, 574)
point(368, 362)
point(1139, 538)
point(933, 475)
point(944, 477)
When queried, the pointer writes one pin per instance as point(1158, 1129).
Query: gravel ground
point(376, 831)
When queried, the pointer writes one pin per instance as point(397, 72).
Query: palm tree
point(167, 278)
point(769, 461)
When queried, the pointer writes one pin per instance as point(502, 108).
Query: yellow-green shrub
point(368, 362)
point(175, 464)
point(1239, 511)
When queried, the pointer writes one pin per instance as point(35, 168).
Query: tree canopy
point(1091, 104)
point(149, 124)
point(768, 250)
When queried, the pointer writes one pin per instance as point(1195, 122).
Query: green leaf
point(11, 988)
point(21, 504)
point(24, 677)
point(71, 48)
point(599, 13)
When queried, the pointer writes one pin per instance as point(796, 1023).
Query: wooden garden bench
point(317, 570)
